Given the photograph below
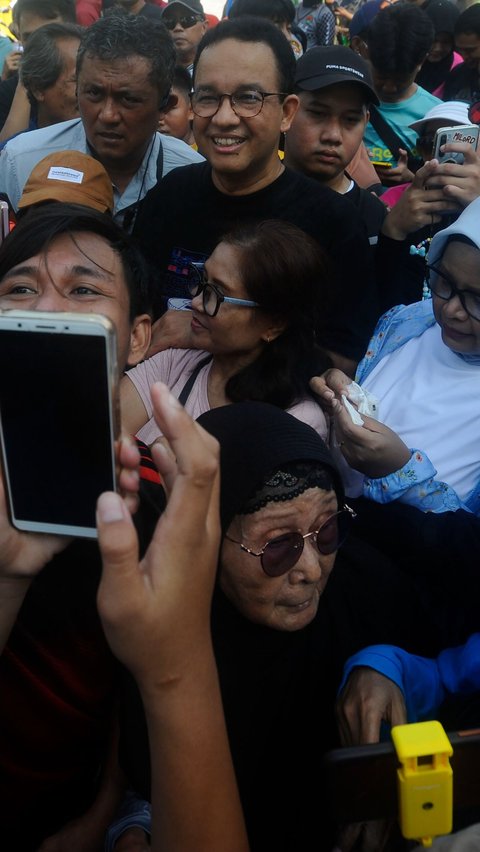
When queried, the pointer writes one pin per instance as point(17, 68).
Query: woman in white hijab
point(422, 365)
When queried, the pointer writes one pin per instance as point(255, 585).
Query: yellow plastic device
point(424, 780)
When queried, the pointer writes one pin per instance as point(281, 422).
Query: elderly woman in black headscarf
point(293, 600)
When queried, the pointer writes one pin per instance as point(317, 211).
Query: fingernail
point(110, 508)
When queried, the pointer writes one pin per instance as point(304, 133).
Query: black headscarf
point(257, 438)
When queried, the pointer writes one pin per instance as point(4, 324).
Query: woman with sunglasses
point(255, 306)
point(292, 601)
point(423, 364)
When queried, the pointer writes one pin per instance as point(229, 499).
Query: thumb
point(403, 158)
point(118, 544)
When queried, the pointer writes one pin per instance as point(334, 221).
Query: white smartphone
point(59, 418)
point(461, 133)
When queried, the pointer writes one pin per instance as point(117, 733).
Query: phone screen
point(57, 427)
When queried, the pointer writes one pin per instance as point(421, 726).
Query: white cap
point(455, 112)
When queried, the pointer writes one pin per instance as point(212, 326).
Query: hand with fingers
point(11, 64)
point(460, 183)
point(329, 387)
point(372, 449)
point(171, 331)
point(156, 616)
point(368, 699)
point(422, 204)
point(399, 173)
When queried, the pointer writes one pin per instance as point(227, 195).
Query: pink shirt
point(174, 366)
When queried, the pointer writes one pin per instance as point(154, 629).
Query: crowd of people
point(291, 264)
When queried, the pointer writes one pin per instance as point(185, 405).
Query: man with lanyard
point(124, 74)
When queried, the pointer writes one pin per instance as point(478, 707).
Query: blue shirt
point(399, 116)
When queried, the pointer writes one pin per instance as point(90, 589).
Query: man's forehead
point(79, 249)
point(254, 61)
point(129, 69)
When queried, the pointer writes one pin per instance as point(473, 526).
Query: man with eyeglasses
point(187, 24)
point(242, 102)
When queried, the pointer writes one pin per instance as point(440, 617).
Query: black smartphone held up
point(461, 133)
point(362, 780)
point(58, 418)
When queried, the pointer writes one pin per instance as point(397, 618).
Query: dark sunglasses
point(280, 554)
point(186, 21)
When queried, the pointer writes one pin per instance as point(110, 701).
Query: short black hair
point(120, 35)
point(469, 21)
point(279, 11)
point(399, 38)
point(48, 9)
point(182, 80)
point(37, 228)
point(255, 30)
point(42, 62)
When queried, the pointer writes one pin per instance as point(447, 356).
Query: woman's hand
point(367, 699)
point(373, 449)
point(329, 387)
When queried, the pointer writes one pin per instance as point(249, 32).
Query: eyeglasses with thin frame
point(212, 295)
point(246, 104)
point(443, 287)
point(186, 21)
point(282, 553)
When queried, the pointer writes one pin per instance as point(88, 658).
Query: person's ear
point(38, 95)
point(289, 107)
point(140, 337)
point(273, 332)
point(359, 46)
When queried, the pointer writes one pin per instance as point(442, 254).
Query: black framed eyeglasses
point(186, 21)
point(282, 553)
point(245, 104)
point(212, 296)
point(443, 287)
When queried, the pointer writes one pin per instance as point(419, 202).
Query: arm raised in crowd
point(156, 615)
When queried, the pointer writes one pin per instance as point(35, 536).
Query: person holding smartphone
point(425, 453)
point(398, 39)
point(56, 667)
